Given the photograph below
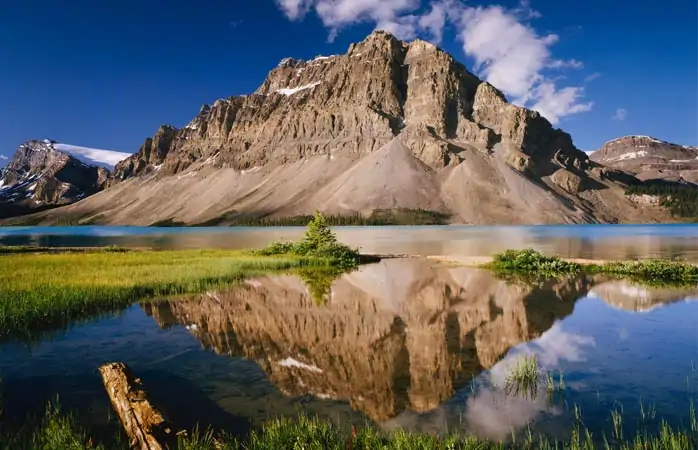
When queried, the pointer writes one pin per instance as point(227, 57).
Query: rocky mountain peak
point(39, 175)
point(650, 158)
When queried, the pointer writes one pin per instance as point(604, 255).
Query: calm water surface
point(399, 344)
point(582, 241)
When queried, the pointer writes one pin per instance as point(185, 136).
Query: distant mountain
point(43, 174)
point(388, 126)
point(650, 158)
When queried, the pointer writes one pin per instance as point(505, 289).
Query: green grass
point(652, 272)
point(529, 260)
point(55, 430)
point(59, 431)
point(44, 291)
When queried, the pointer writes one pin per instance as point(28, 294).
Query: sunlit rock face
point(400, 334)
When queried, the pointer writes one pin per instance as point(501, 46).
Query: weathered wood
point(145, 426)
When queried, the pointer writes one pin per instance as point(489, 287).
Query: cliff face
point(387, 125)
point(650, 158)
point(354, 104)
point(40, 177)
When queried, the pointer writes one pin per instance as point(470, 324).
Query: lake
point(578, 241)
point(403, 343)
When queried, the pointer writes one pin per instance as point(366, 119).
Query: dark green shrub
point(532, 261)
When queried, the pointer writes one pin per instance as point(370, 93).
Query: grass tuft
point(523, 377)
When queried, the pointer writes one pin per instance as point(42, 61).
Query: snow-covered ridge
point(93, 156)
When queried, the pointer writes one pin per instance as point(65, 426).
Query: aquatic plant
point(523, 377)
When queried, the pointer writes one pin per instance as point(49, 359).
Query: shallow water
point(579, 241)
point(400, 344)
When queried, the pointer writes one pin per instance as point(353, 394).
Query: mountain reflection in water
point(399, 339)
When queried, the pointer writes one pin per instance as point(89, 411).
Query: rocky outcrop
point(650, 158)
point(38, 177)
point(149, 157)
point(463, 150)
point(401, 334)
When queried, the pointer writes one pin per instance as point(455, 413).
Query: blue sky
point(107, 74)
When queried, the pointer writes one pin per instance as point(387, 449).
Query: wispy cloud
point(507, 50)
point(592, 77)
point(3, 157)
point(106, 158)
point(621, 114)
point(566, 64)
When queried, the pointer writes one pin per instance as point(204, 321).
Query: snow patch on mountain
point(93, 156)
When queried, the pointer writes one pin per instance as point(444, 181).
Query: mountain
point(40, 176)
point(650, 158)
point(389, 125)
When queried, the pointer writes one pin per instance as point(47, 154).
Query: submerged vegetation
point(652, 272)
point(44, 290)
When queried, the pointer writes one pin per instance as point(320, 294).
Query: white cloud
point(107, 158)
point(491, 413)
point(294, 9)
point(3, 157)
point(592, 77)
point(434, 21)
point(621, 114)
point(389, 15)
point(554, 104)
point(508, 52)
point(566, 64)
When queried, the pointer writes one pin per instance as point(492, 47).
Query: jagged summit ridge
point(354, 104)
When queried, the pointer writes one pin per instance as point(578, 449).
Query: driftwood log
point(145, 426)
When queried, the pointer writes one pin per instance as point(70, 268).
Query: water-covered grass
point(47, 290)
point(652, 272)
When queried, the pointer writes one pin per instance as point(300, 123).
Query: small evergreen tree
point(319, 236)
